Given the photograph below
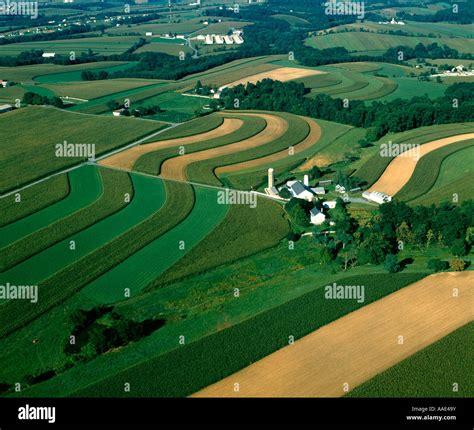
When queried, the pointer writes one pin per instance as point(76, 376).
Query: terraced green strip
point(85, 187)
point(151, 261)
point(428, 169)
point(151, 162)
point(33, 199)
point(149, 198)
point(62, 285)
point(203, 172)
point(116, 186)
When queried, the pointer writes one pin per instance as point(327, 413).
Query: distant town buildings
point(392, 22)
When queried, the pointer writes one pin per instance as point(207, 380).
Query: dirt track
point(126, 159)
point(282, 74)
point(175, 168)
point(401, 168)
point(313, 136)
point(360, 345)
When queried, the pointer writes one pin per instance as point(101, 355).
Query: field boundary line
point(77, 166)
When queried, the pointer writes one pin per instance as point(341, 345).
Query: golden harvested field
point(360, 345)
point(280, 74)
point(312, 138)
point(175, 168)
point(126, 159)
point(401, 168)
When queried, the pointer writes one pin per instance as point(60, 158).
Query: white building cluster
point(217, 39)
point(393, 21)
point(303, 191)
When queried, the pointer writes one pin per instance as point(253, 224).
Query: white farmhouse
point(317, 217)
point(3, 83)
point(299, 191)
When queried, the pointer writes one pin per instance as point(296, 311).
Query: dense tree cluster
point(397, 227)
point(88, 75)
point(36, 99)
point(101, 329)
point(381, 117)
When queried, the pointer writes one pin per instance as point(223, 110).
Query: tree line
point(455, 105)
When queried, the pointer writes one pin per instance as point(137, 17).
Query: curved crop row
point(33, 199)
point(68, 281)
point(204, 171)
point(152, 260)
point(85, 187)
point(374, 167)
point(152, 161)
point(428, 169)
point(149, 198)
point(116, 186)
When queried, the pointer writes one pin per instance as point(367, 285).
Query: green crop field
point(85, 187)
point(28, 153)
point(95, 89)
point(375, 43)
point(373, 168)
point(70, 279)
point(190, 128)
point(99, 104)
point(418, 376)
point(228, 242)
point(100, 45)
point(453, 181)
point(51, 73)
point(73, 73)
point(151, 162)
point(115, 187)
point(33, 199)
point(428, 169)
point(177, 107)
point(143, 267)
point(436, 29)
point(47, 263)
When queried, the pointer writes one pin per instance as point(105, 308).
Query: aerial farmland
point(222, 199)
